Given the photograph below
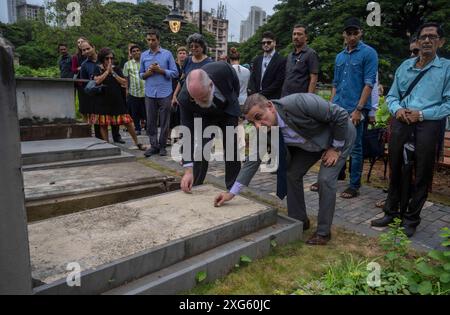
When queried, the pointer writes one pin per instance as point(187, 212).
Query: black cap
point(352, 22)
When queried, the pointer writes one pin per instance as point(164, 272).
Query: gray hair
point(198, 39)
point(254, 100)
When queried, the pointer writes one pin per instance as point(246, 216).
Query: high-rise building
point(216, 23)
point(27, 11)
point(256, 18)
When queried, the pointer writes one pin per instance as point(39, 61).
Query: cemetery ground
point(342, 266)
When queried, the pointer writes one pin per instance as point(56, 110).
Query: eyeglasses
point(269, 42)
point(414, 51)
point(430, 36)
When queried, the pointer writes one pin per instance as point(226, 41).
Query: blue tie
point(282, 167)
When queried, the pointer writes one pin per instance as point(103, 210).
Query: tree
point(112, 25)
point(325, 18)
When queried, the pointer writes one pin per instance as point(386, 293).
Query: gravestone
point(15, 270)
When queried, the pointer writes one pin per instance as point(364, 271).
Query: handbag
point(93, 89)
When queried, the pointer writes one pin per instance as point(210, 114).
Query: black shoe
point(306, 225)
point(120, 140)
point(163, 152)
point(409, 230)
point(382, 222)
point(151, 151)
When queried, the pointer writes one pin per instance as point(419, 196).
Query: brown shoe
point(316, 239)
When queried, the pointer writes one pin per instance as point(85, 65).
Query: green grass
point(286, 267)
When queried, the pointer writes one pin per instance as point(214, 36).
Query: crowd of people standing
point(280, 91)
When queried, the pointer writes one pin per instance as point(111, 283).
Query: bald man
point(211, 94)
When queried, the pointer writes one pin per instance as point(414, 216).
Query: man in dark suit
point(268, 71)
point(311, 129)
point(211, 94)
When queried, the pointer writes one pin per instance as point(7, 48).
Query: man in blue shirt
point(157, 68)
point(355, 74)
point(417, 121)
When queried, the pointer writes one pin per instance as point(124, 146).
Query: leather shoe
point(382, 222)
point(151, 151)
point(409, 230)
point(316, 239)
point(163, 152)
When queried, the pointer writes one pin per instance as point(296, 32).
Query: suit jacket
point(273, 79)
point(226, 81)
point(314, 119)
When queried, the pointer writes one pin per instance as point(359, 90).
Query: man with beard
point(302, 65)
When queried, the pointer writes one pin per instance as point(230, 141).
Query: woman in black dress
point(110, 106)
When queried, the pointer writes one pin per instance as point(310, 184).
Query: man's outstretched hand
point(187, 181)
point(222, 198)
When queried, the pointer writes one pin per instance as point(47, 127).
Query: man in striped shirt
point(136, 86)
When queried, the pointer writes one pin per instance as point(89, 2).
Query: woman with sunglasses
point(110, 108)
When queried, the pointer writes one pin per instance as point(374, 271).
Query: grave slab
point(53, 192)
point(47, 151)
point(122, 242)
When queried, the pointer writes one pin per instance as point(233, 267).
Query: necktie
point(282, 167)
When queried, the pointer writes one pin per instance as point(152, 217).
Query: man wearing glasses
point(418, 120)
point(355, 75)
point(268, 71)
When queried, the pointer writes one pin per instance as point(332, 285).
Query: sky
point(237, 10)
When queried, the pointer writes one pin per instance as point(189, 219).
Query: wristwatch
point(420, 116)
point(114, 75)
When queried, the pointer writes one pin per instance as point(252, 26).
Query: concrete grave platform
point(54, 192)
point(120, 243)
point(48, 151)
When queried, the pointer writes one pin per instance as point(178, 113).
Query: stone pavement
point(353, 214)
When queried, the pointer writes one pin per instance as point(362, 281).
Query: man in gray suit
point(311, 129)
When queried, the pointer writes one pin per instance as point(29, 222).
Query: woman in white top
point(242, 73)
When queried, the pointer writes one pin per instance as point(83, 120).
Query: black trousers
point(114, 131)
point(426, 138)
point(232, 167)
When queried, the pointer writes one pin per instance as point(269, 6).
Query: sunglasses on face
point(109, 58)
point(431, 37)
point(414, 51)
point(269, 42)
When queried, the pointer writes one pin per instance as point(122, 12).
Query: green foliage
point(396, 245)
point(245, 259)
point(382, 115)
point(325, 19)
point(200, 276)
point(400, 274)
point(114, 25)
point(25, 71)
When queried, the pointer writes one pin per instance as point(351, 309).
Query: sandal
point(314, 187)
point(349, 193)
point(140, 147)
point(380, 203)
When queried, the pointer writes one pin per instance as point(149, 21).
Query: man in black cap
point(355, 74)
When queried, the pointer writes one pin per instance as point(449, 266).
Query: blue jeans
point(357, 158)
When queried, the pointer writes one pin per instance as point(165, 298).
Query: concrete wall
point(15, 269)
point(45, 98)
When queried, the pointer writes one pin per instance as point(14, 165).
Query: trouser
point(426, 137)
point(301, 161)
point(357, 159)
point(232, 167)
point(158, 107)
point(136, 107)
point(114, 131)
